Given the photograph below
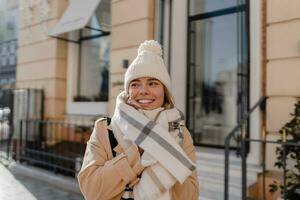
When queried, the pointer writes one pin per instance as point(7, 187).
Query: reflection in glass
point(213, 70)
point(8, 40)
point(94, 64)
point(94, 70)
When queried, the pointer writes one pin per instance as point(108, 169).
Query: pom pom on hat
point(148, 63)
point(150, 46)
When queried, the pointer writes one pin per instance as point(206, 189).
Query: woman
point(154, 157)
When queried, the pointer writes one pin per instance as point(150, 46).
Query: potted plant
point(291, 133)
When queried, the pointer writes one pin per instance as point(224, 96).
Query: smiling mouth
point(145, 101)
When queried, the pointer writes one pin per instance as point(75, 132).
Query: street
point(20, 187)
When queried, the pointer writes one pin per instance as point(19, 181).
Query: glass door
point(217, 69)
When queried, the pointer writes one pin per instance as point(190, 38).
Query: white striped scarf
point(131, 126)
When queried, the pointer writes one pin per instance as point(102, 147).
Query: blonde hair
point(169, 102)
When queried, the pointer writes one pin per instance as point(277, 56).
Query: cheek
point(160, 94)
point(132, 93)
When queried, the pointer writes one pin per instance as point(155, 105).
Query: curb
point(59, 181)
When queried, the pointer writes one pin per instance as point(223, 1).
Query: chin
point(147, 108)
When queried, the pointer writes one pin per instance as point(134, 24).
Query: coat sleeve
point(101, 177)
point(190, 187)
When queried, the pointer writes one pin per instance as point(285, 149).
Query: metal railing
point(283, 188)
point(260, 104)
point(52, 145)
point(244, 142)
point(16, 104)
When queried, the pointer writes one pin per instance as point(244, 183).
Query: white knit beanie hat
point(148, 63)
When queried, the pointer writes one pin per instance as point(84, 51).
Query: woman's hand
point(133, 103)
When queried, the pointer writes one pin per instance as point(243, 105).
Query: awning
point(78, 17)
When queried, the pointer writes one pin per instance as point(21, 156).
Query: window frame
point(80, 54)
point(73, 76)
point(217, 13)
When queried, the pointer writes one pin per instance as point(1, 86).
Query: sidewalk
point(17, 186)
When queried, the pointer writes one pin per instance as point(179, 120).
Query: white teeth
point(145, 101)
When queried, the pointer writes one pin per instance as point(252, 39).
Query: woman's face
point(148, 93)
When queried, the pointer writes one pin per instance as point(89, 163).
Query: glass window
point(214, 43)
point(8, 40)
point(93, 70)
point(203, 6)
point(8, 22)
point(218, 69)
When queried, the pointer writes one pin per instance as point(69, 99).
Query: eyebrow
point(134, 81)
point(152, 79)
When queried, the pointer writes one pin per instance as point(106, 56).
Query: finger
point(134, 104)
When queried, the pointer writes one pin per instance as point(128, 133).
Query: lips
point(145, 101)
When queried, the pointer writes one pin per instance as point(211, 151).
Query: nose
point(143, 89)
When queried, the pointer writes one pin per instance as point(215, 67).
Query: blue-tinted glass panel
point(8, 40)
point(213, 77)
point(94, 70)
point(203, 6)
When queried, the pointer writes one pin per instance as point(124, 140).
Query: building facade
point(223, 56)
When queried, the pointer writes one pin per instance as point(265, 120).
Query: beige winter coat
point(103, 177)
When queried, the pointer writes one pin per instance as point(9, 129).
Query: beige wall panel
point(53, 88)
point(117, 84)
point(117, 57)
point(37, 33)
point(54, 108)
point(278, 112)
point(130, 10)
point(111, 105)
point(283, 40)
point(115, 87)
point(131, 34)
point(35, 16)
point(129, 29)
point(58, 90)
point(61, 49)
point(283, 77)
point(41, 59)
point(279, 10)
point(49, 49)
point(50, 87)
point(38, 51)
point(270, 150)
point(60, 7)
point(42, 70)
point(61, 68)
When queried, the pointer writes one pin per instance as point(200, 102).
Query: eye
point(133, 85)
point(153, 83)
